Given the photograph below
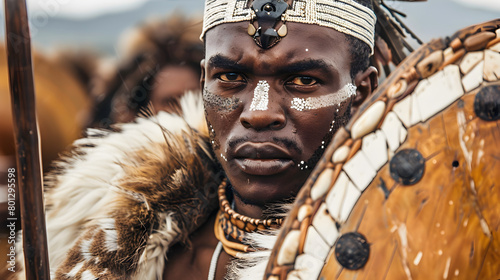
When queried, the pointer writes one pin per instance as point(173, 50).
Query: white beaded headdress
point(345, 16)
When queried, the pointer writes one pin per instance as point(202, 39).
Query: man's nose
point(270, 117)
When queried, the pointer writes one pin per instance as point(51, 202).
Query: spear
point(27, 142)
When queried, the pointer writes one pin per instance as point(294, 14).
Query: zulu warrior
point(171, 197)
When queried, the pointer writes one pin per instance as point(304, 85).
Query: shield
point(410, 188)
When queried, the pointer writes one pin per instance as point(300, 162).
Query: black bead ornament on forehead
point(268, 14)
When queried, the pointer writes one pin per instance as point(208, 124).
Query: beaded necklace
point(230, 227)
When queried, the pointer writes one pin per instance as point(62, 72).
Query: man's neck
point(250, 210)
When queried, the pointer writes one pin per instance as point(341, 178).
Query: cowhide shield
point(410, 189)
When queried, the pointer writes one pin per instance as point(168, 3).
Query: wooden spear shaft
point(27, 142)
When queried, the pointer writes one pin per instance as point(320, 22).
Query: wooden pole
point(27, 140)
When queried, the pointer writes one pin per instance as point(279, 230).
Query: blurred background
point(98, 24)
point(98, 62)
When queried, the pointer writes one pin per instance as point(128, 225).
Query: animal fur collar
point(119, 199)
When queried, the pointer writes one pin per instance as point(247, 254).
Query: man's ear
point(366, 82)
point(202, 77)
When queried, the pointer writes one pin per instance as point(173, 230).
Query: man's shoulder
point(111, 198)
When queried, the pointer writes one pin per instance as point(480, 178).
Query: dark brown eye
point(230, 77)
point(304, 81)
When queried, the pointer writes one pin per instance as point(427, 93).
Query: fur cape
point(119, 199)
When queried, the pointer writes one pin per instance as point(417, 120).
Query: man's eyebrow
point(221, 61)
point(305, 65)
point(224, 62)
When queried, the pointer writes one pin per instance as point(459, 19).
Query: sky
point(97, 24)
point(81, 8)
point(91, 8)
point(484, 4)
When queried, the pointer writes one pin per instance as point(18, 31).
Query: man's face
point(266, 142)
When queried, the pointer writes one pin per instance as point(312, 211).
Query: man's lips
point(262, 159)
point(263, 167)
point(252, 150)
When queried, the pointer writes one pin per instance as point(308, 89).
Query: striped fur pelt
point(119, 199)
point(252, 265)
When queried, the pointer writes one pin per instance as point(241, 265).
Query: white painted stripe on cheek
point(328, 100)
point(260, 97)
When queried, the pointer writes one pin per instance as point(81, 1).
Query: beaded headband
point(345, 16)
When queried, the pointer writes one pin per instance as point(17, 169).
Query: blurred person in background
point(158, 62)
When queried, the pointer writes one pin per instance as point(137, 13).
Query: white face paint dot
point(260, 97)
point(222, 156)
point(307, 50)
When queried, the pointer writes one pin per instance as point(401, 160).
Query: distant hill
point(435, 18)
